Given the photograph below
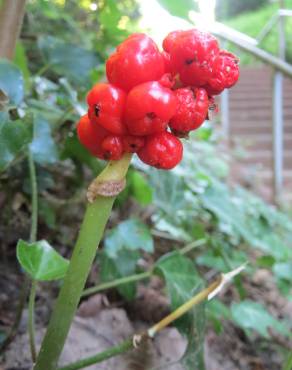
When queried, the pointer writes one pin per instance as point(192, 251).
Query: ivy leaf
point(67, 59)
point(41, 261)
point(140, 188)
point(11, 82)
point(14, 137)
point(178, 8)
point(132, 235)
point(43, 147)
point(123, 265)
point(252, 315)
point(183, 282)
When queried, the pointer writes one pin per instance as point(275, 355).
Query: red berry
point(192, 56)
point(192, 109)
point(112, 147)
point(170, 40)
point(149, 107)
point(162, 150)
point(91, 136)
point(225, 73)
point(135, 61)
point(106, 106)
point(167, 80)
point(168, 66)
point(133, 143)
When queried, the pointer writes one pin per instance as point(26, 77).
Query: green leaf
point(140, 188)
point(183, 282)
point(68, 60)
point(123, 265)
point(73, 149)
point(14, 137)
point(11, 82)
point(252, 315)
point(179, 8)
point(20, 60)
point(132, 235)
point(43, 147)
point(41, 261)
point(283, 270)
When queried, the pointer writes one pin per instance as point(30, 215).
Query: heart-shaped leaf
point(132, 235)
point(41, 261)
point(252, 315)
point(14, 137)
point(43, 147)
point(182, 283)
point(11, 82)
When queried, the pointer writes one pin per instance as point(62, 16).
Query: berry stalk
point(91, 232)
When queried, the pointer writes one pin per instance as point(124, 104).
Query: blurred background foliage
point(60, 55)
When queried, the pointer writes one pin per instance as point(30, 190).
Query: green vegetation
point(252, 24)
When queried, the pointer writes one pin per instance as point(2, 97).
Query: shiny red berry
point(162, 150)
point(91, 136)
point(112, 147)
point(149, 107)
point(132, 143)
point(170, 40)
point(225, 73)
point(192, 109)
point(192, 56)
point(106, 107)
point(135, 61)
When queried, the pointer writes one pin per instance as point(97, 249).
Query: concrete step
point(253, 143)
point(250, 129)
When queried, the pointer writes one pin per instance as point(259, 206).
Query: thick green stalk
point(31, 325)
point(95, 219)
point(102, 356)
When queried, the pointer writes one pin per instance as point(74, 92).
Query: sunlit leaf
point(179, 8)
point(41, 261)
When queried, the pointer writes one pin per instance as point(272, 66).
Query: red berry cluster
point(153, 98)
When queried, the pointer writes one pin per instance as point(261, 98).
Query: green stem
point(136, 277)
point(31, 323)
point(117, 282)
point(102, 356)
point(34, 198)
point(91, 231)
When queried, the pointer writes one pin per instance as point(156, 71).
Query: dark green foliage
point(229, 8)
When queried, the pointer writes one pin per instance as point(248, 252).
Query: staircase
point(250, 109)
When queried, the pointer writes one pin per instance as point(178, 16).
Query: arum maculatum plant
point(152, 101)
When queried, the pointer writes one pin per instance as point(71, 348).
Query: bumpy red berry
point(135, 61)
point(192, 55)
point(112, 147)
point(106, 107)
point(192, 109)
point(91, 136)
point(149, 107)
point(225, 73)
point(162, 150)
point(132, 143)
